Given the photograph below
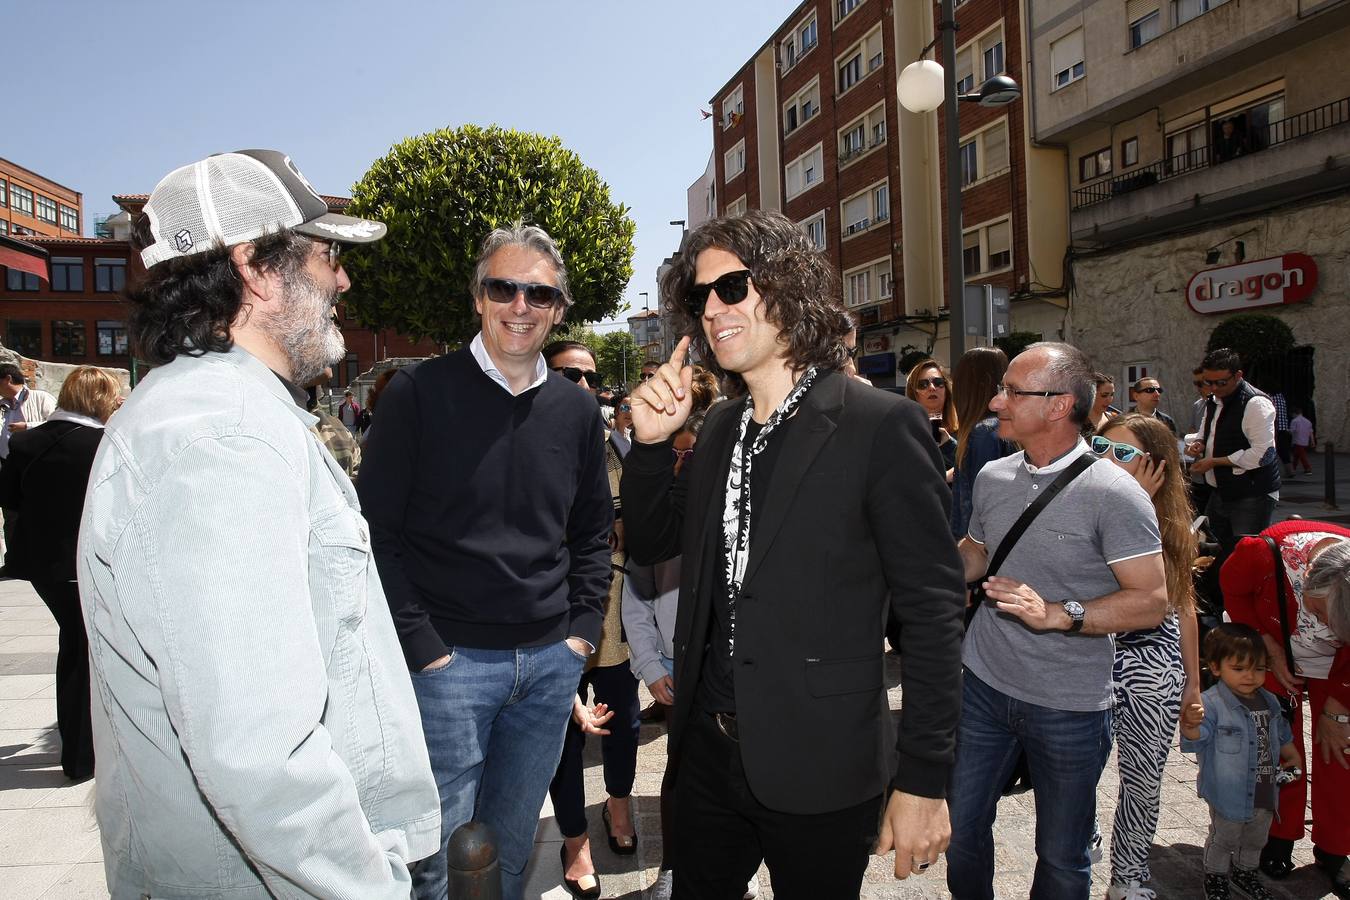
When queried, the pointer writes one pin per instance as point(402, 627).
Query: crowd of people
point(297, 685)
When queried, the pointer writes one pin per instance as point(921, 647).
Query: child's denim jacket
point(1226, 751)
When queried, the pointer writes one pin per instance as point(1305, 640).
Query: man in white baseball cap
point(255, 729)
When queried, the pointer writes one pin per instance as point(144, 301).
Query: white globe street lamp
point(920, 87)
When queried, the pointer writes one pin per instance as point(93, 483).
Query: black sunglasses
point(1217, 382)
point(1149, 390)
point(924, 384)
point(573, 374)
point(504, 290)
point(731, 289)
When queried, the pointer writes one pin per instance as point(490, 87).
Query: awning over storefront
point(24, 257)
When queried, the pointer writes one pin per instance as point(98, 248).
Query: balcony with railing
point(1217, 178)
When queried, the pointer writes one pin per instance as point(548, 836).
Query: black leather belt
point(726, 723)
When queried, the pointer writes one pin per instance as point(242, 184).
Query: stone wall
point(1129, 305)
point(49, 376)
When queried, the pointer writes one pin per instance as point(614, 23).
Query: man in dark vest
point(1235, 451)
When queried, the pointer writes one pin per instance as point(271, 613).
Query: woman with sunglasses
point(1156, 667)
point(1315, 594)
point(929, 386)
point(978, 374)
point(623, 425)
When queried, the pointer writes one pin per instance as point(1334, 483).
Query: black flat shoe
point(574, 887)
point(1276, 858)
point(614, 845)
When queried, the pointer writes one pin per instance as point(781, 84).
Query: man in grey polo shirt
point(1038, 657)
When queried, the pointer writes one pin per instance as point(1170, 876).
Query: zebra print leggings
point(1148, 682)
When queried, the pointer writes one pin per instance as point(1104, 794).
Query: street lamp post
point(923, 86)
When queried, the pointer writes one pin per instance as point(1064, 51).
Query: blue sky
point(114, 96)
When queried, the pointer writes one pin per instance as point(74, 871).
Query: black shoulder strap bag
point(1288, 702)
point(1020, 780)
point(1005, 546)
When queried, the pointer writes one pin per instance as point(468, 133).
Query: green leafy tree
point(441, 193)
point(619, 359)
point(1015, 342)
point(1262, 341)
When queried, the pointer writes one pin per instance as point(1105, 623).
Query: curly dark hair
point(184, 306)
point(799, 286)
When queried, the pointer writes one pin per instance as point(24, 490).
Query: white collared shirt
point(1058, 465)
point(490, 369)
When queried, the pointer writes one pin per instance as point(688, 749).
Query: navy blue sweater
point(489, 514)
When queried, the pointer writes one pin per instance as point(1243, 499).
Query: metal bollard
point(1329, 464)
point(471, 861)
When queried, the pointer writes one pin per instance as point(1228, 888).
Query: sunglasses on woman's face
point(924, 384)
point(504, 290)
point(1122, 452)
point(731, 288)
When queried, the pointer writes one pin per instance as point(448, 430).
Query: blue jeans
point(494, 722)
point(1066, 752)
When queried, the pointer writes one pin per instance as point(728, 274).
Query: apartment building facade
point(810, 126)
point(1208, 144)
point(32, 205)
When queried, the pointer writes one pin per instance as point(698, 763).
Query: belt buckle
point(726, 723)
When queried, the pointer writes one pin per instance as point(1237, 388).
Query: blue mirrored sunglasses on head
point(1122, 452)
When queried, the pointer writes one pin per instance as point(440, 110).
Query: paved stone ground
point(49, 845)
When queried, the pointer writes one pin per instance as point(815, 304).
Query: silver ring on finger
point(921, 865)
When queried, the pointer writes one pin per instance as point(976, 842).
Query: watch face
point(1073, 608)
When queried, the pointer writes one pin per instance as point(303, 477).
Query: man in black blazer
point(813, 501)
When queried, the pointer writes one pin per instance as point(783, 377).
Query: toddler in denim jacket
point(1241, 738)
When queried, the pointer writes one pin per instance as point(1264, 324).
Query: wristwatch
point(1074, 609)
point(1336, 717)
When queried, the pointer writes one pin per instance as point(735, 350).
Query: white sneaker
point(1132, 891)
point(664, 885)
point(751, 888)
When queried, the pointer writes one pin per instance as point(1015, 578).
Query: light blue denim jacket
point(1227, 751)
point(254, 722)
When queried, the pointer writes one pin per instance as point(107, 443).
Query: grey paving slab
point(21, 687)
point(29, 882)
point(83, 881)
point(31, 713)
point(46, 836)
point(32, 747)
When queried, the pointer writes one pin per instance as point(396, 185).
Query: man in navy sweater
point(490, 514)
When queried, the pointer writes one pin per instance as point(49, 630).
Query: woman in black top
point(43, 479)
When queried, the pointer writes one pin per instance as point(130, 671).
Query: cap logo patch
point(361, 229)
point(183, 240)
point(303, 180)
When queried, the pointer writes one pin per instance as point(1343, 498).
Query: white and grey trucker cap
point(238, 197)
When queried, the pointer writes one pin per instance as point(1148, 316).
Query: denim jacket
point(254, 722)
point(1227, 751)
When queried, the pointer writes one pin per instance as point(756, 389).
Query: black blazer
point(44, 478)
point(857, 516)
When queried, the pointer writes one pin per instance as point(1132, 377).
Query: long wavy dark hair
point(799, 286)
point(185, 305)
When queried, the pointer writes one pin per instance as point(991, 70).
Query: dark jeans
point(1231, 520)
point(1066, 752)
point(72, 677)
point(723, 832)
point(615, 687)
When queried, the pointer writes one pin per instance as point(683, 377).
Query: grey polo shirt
point(1103, 517)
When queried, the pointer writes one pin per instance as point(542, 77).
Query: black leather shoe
point(574, 887)
point(614, 845)
point(1276, 858)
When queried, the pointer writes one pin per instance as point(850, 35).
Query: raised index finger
point(678, 357)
